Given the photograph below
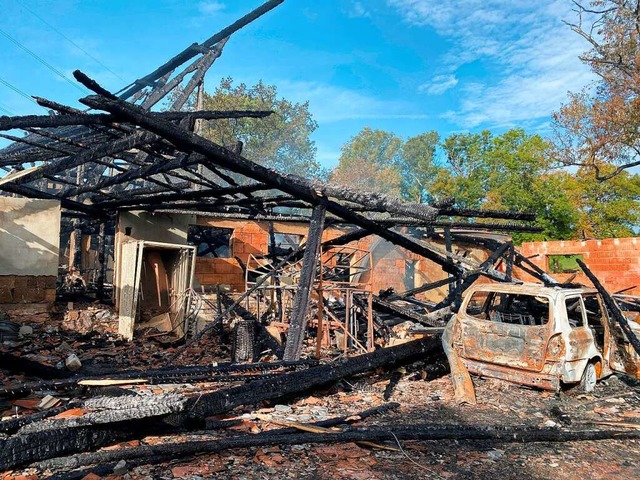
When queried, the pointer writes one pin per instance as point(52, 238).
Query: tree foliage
point(369, 161)
point(417, 166)
point(281, 141)
point(599, 127)
point(513, 171)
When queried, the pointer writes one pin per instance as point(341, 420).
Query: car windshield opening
point(510, 308)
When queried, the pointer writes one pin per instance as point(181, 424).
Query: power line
point(68, 39)
point(6, 110)
point(18, 91)
point(43, 61)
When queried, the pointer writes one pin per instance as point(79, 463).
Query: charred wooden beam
point(297, 186)
point(165, 451)
point(298, 382)
point(466, 212)
point(519, 259)
point(165, 197)
point(65, 203)
point(455, 295)
point(44, 146)
point(97, 151)
point(195, 49)
point(145, 172)
point(298, 321)
point(432, 319)
point(612, 307)
point(211, 56)
point(390, 296)
point(48, 121)
point(348, 237)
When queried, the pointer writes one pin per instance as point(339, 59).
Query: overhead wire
point(43, 61)
point(6, 110)
point(68, 39)
point(18, 91)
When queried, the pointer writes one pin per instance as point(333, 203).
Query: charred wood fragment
point(391, 433)
point(298, 321)
point(612, 308)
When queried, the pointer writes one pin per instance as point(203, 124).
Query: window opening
point(510, 308)
point(211, 242)
point(564, 263)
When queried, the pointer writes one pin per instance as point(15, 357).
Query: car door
point(510, 329)
point(580, 341)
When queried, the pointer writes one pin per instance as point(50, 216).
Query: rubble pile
point(90, 319)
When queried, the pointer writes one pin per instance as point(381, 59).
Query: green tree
point(506, 172)
point(369, 161)
point(281, 141)
point(605, 209)
point(417, 166)
point(464, 174)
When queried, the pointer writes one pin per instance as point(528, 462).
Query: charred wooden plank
point(298, 321)
point(612, 308)
point(191, 52)
point(391, 433)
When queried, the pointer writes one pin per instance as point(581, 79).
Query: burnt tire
point(244, 341)
point(589, 378)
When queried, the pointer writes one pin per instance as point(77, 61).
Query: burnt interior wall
point(29, 247)
point(160, 227)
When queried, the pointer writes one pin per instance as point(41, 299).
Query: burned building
point(207, 248)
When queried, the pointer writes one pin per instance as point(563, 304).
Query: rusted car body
point(537, 336)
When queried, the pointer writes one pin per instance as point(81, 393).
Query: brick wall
point(615, 261)
point(392, 266)
point(249, 237)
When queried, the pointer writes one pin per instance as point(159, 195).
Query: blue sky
point(407, 66)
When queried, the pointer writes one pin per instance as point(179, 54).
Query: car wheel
point(589, 378)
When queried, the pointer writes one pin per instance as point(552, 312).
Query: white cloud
point(529, 57)
point(210, 7)
point(357, 10)
point(330, 103)
point(439, 84)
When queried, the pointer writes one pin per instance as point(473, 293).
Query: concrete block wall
point(15, 289)
point(615, 261)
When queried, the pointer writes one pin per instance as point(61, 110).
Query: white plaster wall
point(29, 236)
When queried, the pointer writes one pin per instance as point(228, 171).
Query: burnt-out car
point(535, 335)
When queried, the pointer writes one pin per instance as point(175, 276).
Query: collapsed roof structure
point(133, 158)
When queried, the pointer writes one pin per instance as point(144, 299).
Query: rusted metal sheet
point(464, 391)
